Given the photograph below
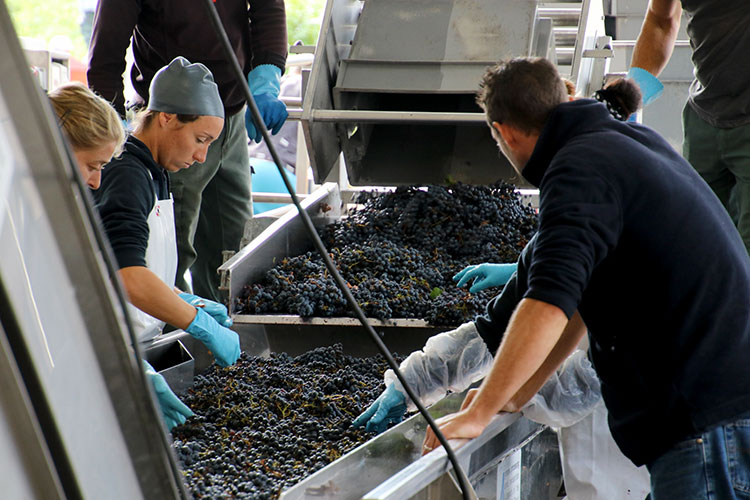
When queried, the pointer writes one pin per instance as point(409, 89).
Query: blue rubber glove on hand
point(214, 309)
point(485, 275)
point(173, 410)
point(223, 342)
point(389, 407)
point(651, 87)
point(265, 83)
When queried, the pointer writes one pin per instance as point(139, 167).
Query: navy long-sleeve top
point(633, 238)
point(492, 325)
point(130, 186)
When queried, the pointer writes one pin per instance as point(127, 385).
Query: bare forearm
point(533, 332)
point(574, 330)
point(655, 43)
point(151, 295)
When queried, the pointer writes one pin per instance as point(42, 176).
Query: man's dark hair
point(521, 92)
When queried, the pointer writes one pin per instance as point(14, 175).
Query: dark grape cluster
point(399, 253)
point(264, 424)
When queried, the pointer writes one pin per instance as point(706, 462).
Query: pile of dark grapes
point(399, 253)
point(264, 424)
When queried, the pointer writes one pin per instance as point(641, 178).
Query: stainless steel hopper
point(393, 82)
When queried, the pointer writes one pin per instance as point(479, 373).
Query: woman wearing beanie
point(184, 115)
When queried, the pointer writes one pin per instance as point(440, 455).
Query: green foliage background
point(303, 19)
point(44, 19)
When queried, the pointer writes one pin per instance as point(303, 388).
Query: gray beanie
point(186, 89)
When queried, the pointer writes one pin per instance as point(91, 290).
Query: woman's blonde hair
point(87, 120)
point(570, 87)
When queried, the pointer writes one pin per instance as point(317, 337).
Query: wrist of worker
point(483, 408)
point(147, 368)
point(190, 316)
point(265, 79)
point(650, 86)
point(389, 377)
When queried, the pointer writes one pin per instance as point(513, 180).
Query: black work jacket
point(633, 238)
point(130, 186)
point(165, 29)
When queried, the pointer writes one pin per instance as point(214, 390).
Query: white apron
point(161, 259)
point(593, 466)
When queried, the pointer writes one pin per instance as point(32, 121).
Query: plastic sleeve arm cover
point(570, 394)
point(450, 361)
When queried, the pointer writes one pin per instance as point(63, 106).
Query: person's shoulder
point(127, 168)
point(128, 179)
point(586, 151)
point(587, 163)
point(607, 142)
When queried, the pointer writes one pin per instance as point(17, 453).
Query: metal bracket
point(601, 55)
point(223, 273)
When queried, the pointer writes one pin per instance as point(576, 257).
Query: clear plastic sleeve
point(450, 361)
point(569, 395)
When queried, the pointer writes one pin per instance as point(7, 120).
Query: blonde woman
point(92, 127)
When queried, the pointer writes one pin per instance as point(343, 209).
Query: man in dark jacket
point(212, 203)
point(634, 240)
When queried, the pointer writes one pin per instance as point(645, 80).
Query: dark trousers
point(722, 157)
point(212, 203)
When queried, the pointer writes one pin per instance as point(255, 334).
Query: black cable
point(260, 125)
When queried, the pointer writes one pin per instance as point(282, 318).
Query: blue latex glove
point(265, 84)
point(651, 87)
point(214, 309)
point(485, 275)
point(223, 342)
point(173, 410)
point(389, 407)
